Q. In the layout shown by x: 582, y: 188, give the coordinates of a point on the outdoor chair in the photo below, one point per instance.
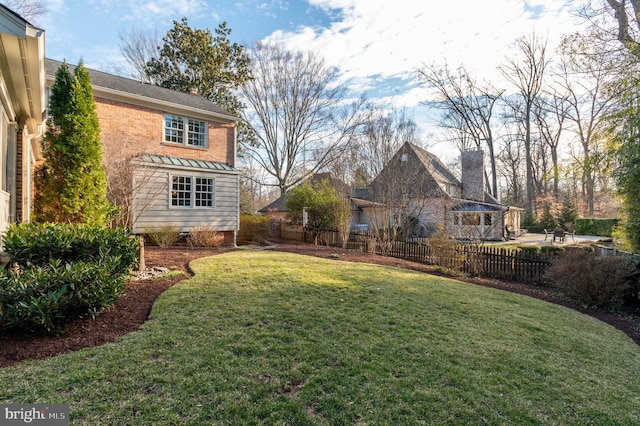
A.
x: 559, y: 234
x: 547, y: 234
x: 511, y: 235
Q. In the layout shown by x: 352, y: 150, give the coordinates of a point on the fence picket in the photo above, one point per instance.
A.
x: 495, y: 262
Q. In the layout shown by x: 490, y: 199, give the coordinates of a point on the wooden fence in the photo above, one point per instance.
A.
x: 488, y: 261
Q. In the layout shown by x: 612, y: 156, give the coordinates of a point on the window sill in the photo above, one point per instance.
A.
x: 181, y: 145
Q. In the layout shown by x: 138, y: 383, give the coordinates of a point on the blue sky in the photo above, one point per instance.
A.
x: 375, y: 44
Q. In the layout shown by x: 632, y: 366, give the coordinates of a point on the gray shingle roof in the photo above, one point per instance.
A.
x: 433, y: 164
x: 128, y: 86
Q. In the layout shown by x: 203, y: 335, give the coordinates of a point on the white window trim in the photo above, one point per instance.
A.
x: 192, y: 197
x: 185, y: 130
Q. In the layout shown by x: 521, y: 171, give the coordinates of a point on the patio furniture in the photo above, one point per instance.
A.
x: 547, y: 234
x: 511, y: 235
x: 559, y: 234
x: 571, y: 230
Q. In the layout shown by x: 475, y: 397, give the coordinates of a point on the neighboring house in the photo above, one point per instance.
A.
x: 416, y: 192
x: 277, y: 210
x: 427, y: 196
x: 169, y: 156
x: 22, y: 111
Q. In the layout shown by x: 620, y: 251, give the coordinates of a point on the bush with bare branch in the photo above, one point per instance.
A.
x: 205, y: 236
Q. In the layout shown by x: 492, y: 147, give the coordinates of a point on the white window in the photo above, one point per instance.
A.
x: 185, y: 131
x: 204, y: 192
x: 192, y: 191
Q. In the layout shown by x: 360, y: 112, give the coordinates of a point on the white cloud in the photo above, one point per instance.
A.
x: 392, y: 39
x: 150, y: 10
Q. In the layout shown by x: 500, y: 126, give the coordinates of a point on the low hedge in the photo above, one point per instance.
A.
x: 254, y: 228
x: 62, y: 272
x: 599, y: 227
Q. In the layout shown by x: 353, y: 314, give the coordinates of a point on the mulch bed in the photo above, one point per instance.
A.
x: 133, y: 308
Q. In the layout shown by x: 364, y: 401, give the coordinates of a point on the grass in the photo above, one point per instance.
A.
x: 258, y: 337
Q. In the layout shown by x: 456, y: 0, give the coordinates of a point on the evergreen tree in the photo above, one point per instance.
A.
x: 193, y: 58
x: 569, y: 212
x: 626, y: 151
x: 547, y: 221
x: 529, y: 219
x: 71, y: 185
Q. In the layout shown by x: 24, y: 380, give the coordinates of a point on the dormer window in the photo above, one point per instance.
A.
x: 185, y: 131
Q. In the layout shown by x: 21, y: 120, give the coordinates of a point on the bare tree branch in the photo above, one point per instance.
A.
x: 298, y: 113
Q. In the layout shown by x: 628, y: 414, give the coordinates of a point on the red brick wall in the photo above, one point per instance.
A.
x: 127, y: 130
x: 20, y: 174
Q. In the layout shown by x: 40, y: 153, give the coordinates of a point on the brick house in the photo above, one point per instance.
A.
x: 169, y: 156
x: 22, y: 112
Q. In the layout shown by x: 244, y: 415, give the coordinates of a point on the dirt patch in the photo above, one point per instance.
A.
x: 133, y: 308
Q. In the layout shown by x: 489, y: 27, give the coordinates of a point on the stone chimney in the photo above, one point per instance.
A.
x: 473, y: 184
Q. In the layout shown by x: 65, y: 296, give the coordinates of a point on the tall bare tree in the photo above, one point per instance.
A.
x: 298, y: 112
x: 467, y: 108
x: 510, y: 161
x: 527, y: 74
x: 138, y: 48
x: 625, y: 25
x: 589, y: 80
x: 550, y: 116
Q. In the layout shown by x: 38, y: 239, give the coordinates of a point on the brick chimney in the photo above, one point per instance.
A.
x: 473, y: 184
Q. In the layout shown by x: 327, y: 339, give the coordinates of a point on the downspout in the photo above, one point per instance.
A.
x: 32, y: 139
x: 235, y: 155
x: 12, y: 140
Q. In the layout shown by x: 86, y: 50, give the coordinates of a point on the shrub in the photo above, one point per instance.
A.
x: 254, y: 228
x: 45, y: 298
x: 600, y: 281
x: 547, y: 221
x: 36, y: 244
x: 205, y: 236
x: 600, y: 227
x: 65, y: 272
x: 551, y: 249
x: 163, y: 236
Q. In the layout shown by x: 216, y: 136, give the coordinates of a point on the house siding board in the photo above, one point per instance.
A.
x: 151, y: 205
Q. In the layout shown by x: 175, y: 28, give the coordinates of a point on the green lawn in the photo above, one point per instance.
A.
x: 259, y: 337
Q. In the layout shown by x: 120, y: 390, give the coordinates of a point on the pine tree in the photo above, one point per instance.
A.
x: 547, y: 221
x: 569, y: 212
x: 71, y: 185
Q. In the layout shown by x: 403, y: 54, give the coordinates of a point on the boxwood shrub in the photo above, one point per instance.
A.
x: 63, y: 272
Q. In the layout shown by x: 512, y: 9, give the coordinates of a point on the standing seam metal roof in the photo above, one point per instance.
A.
x: 167, y: 160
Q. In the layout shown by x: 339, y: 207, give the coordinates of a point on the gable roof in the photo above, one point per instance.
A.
x: 114, y: 85
x: 418, y: 172
x: 434, y: 166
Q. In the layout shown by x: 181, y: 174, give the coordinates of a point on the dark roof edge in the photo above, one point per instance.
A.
x: 129, y: 88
